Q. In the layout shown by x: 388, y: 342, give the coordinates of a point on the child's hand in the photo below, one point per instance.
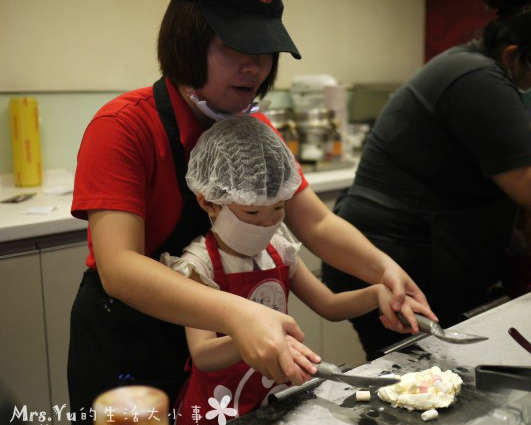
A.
x: 409, y: 307
x: 303, y: 357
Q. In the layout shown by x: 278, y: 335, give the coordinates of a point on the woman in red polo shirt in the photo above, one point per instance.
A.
x: 216, y: 57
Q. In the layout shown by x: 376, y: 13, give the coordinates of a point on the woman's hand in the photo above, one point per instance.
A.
x: 408, y: 310
x: 259, y: 334
x: 400, y: 284
x: 404, y: 291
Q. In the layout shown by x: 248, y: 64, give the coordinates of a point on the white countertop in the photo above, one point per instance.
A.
x: 327, y: 181
x: 16, y: 224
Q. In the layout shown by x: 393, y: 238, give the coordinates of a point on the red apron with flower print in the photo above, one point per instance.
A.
x: 216, y: 397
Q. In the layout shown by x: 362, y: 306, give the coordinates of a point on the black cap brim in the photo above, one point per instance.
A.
x: 250, y: 33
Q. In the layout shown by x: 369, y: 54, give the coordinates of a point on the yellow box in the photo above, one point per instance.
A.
x: 26, y: 141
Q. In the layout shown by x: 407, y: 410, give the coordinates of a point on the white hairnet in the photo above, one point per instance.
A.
x: 242, y: 160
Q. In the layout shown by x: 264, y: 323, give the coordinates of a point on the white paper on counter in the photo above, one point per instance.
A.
x: 41, y: 210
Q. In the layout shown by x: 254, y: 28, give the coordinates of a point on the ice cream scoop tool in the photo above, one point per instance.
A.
x: 433, y: 328
x: 331, y: 372
x: 296, y: 389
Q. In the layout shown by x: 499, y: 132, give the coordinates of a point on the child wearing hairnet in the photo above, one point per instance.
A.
x: 242, y: 174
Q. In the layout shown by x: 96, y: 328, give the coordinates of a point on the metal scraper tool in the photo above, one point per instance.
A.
x: 331, y: 372
x: 433, y: 328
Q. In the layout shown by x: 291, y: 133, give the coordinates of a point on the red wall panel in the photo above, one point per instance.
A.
x: 452, y: 22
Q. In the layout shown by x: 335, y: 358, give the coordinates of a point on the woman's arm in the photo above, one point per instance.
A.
x: 211, y: 353
x: 517, y: 185
x: 127, y: 274
x: 340, y: 244
x: 208, y: 351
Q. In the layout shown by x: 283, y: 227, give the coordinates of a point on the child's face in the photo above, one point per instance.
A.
x: 264, y: 216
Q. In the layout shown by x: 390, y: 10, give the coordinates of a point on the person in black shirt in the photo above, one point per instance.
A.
x: 444, y: 171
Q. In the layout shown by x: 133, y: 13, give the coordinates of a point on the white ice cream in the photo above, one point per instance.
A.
x: 428, y: 389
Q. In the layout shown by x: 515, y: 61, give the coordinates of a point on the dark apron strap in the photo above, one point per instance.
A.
x: 112, y: 344
x: 193, y: 221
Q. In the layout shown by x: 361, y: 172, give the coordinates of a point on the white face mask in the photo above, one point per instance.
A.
x: 244, y: 238
x: 205, y: 108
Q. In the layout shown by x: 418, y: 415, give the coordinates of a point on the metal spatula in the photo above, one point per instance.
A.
x: 331, y: 372
x: 433, y: 328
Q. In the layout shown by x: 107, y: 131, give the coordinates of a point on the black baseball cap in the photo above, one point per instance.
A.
x: 249, y: 26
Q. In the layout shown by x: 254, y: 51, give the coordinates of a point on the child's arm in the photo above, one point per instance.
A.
x: 211, y: 353
x: 335, y: 307
x: 344, y: 305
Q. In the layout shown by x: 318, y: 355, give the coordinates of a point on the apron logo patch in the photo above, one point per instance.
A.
x: 270, y: 293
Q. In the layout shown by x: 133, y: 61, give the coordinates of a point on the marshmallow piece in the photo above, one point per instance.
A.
x: 428, y: 415
x: 363, y: 395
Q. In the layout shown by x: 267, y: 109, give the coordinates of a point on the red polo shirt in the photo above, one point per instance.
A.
x: 125, y: 163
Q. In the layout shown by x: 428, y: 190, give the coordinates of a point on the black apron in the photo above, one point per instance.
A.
x: 469, y: 254
x: 468, y: 250
x: 455, y: 257
x: 112, y: 344
x: 468, y: 245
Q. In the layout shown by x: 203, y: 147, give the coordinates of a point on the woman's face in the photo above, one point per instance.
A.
x: 233, y: 77
x: 517, y: 67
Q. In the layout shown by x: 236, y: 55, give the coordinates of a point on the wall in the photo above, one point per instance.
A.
x: 63, y: 116
x: 75, y: 55
x: 78, y: 45
x: 110, y: 44
x: 357, y: 41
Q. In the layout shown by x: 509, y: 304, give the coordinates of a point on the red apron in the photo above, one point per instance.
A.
x: 216, y: 397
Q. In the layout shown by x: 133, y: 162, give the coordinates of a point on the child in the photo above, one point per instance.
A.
x: 242, y: 174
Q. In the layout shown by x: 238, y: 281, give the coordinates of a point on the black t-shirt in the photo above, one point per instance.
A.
x: 445, y: 133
